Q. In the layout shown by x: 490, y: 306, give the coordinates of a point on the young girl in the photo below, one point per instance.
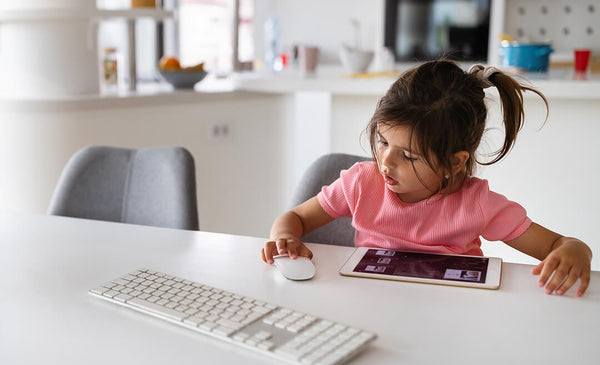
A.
x: 420, y: 195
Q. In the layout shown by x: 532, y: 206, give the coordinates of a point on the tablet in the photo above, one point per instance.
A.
x: 455, y: 270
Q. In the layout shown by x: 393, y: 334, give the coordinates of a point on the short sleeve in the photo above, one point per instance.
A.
x: 337, y: 199
x: 504, y: 219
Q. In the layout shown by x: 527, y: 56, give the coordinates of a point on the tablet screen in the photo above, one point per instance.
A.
x: 424, y: 265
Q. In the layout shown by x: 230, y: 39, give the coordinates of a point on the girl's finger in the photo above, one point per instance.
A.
x: 262, y: 255
x: 568, y: 283
x: 300, y: 249
x: 304, y: 251
x: 292, y: 249
x: 585, y: 282
x: 267, y: 252
x: 281, y: 245
x: 538, y: 269
x: 548, y: 267
x: 560, y: 275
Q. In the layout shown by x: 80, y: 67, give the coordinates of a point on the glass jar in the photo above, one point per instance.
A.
x: 110, y: 76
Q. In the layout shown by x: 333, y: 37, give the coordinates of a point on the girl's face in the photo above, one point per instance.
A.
x: 405, y: 172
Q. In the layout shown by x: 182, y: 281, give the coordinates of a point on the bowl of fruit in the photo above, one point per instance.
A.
x: 180, y: 77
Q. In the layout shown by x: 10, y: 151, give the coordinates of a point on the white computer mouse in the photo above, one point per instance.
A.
x: 299, y: 269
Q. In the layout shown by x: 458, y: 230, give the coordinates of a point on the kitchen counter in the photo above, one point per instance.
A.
x: 558, y: 83
x: 146, y: 94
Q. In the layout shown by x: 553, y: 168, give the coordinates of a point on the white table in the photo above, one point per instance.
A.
x: 47, y: 265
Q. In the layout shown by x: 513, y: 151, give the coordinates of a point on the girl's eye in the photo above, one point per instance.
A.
x: 407, y: 157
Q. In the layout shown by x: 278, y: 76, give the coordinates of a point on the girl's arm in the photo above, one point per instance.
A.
x: 290, y: 226
x: 568, y: 258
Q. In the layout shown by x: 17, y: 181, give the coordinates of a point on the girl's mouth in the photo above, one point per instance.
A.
x: 389, y: 180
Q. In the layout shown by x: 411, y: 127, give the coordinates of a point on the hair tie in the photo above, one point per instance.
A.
x: 483, y: 73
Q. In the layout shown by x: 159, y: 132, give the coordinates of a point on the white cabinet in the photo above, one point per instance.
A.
x: 53, y: 50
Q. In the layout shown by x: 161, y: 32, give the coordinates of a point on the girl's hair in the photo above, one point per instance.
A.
x: 444, y: 108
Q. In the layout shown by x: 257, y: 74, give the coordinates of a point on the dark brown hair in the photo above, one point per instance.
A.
x: 444, y: 108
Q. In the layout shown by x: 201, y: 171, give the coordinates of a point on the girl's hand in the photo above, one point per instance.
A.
x: 297, y: 222
x: 280, y: 246
x: 569, y: 261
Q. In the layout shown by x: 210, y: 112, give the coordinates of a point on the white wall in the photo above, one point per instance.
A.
x: 243, y: 182
x: 553, y: 171
x: 325, y: 24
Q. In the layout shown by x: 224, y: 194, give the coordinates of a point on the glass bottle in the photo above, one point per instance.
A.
x: 273, y: 44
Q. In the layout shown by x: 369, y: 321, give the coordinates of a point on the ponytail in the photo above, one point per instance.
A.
x: 511, y: 98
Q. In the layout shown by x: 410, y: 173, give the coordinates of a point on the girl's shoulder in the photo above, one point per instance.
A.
x: 473, y: 189
x: 478, y: 191
x: 367, y: 166
x: 363, y: 169
x: 360, y: 174
x: 475, y: 183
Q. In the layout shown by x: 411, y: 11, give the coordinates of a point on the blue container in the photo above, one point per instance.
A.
x: 530, y: 57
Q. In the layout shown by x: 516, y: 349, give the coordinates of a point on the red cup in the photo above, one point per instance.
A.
x: 582, y: 59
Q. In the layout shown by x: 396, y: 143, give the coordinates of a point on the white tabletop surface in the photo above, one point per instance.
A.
x: 47, y: 265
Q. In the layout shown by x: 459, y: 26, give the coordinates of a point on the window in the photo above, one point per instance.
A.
x: 206, y: 33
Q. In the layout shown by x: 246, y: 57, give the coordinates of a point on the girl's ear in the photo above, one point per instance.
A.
x: 459, y: 160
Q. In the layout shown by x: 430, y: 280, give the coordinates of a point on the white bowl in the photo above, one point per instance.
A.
x: 354, y: 60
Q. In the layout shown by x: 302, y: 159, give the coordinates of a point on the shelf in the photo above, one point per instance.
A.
x: 62, y: 14
x: 156, y: 14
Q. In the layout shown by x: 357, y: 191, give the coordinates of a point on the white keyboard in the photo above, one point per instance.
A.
x: 282, y: 333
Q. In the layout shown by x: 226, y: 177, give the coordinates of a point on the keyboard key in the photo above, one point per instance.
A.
x: 111, y: 293
x: 229, y: 323
x: 266, y: 345
x: 223, y: 331
x: 122, y: 297
x: 288, y: 353
x: 241, y: 336
x: 263, y: 335
x: 253, y: 341
x: 100, y: 290
x: 193, y: 320
x: 120, y: 281
x: 157, y: 308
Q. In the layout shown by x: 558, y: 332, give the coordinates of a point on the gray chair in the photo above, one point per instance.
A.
x: 325, y: 170
x: 147, y: 186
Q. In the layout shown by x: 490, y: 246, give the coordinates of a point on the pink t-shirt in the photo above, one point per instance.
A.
x: 440, y: 224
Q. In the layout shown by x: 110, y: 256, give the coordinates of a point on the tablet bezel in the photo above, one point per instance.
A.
x: 493, y: 274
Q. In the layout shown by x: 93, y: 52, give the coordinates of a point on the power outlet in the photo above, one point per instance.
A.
x: 219, y: 131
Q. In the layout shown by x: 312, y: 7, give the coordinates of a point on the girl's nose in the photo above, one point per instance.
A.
x: 384, y: 167
x: 386, y: 163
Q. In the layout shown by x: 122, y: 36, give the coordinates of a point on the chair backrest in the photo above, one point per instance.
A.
x: 325, y: 170
x: 148, y: 186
